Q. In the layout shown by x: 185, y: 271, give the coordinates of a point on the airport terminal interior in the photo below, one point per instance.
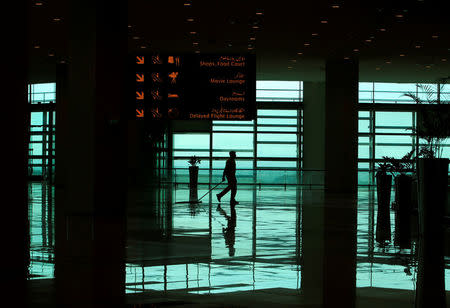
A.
x: 329, y: 121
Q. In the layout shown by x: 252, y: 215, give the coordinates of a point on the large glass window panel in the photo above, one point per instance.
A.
x: 364, y: 126
x: 190, y: 141
x: 234, y: 141
x: 383, y: 118
x: 42, y: 92
x: 239, y: 153
x: 278, y: 121
x: 392, y: 139
x: 363, y: 152
x: 427, y: 92
x: 398, y: 87
x: 364, y: 114
x: 191, y: 153
x: 183, y: 163
x: 365, y: 86
x: 226, y: 128
x: 277, y: 150
x: 277, y: 129
x: 275, y: 112
x: 365, y: 96
x: 240, y: 164
x: 283, y: 94
x: 395, y: 151
x: 276, y: 164
x: 36, y: 118
x: 261, y: 137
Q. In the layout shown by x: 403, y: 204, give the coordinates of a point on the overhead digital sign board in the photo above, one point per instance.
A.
x: 194, y: 86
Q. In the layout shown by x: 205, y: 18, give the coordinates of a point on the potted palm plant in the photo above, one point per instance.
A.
x: 193, y: 178
x: 384, y: 185
x: 403, y: 180
x: 433, y: 126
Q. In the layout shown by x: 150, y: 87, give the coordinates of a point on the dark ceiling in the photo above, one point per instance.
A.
x: 405, y: 41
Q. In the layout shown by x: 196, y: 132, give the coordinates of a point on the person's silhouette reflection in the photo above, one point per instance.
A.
x: 229, y: 231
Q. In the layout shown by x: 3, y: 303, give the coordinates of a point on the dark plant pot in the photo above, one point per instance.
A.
x: 384, y: 184
x: 193, y: 181
x: 432, y: 176
x: 403, y: 196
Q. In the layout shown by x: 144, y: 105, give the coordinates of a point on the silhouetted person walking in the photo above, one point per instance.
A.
x: 230, y: 173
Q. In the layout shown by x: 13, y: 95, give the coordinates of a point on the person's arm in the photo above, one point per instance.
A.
x: 226, y: 170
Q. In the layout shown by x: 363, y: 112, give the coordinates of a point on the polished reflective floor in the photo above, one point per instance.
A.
x: 209, y: 248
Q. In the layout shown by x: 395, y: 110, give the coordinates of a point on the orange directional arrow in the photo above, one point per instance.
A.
x: 139, y: 60
x: 139, y: 113
x: 140, y: 77
x: 140, y: 95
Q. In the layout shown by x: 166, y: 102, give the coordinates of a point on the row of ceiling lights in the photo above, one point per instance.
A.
x: 252, y: 37
x: 399, y: 16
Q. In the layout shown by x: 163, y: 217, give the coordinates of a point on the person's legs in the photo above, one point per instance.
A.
x: 233, y: 187
x: 221, y: 194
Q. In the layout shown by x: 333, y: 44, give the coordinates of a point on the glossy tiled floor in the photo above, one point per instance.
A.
x: 195, y: 249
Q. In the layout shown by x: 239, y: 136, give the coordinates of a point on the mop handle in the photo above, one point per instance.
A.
x: 210, y: 190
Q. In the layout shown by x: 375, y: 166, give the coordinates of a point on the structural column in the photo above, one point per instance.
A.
x: 15, y: 120
x: 312, y: 200
x: 92, y: 157
x: 329, y: 216
x: 341, y: 130
x: 341, y: 166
